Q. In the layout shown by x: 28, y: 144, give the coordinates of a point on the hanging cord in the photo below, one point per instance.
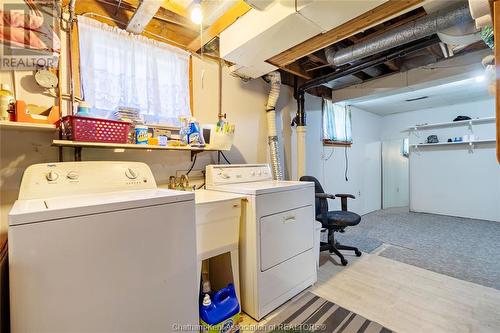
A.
x: 329, y: 156
x: 345, y: 148
x: 225, y: 158
x: 192, y: 165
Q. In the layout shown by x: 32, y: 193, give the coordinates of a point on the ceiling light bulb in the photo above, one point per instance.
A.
x: 479, y: 78
x: 196, y: 14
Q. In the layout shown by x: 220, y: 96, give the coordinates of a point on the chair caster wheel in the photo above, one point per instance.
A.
x: 343, y: 262
x: 358, y: 253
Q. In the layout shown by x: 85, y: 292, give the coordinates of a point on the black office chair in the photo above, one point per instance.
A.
x: 334, y: 221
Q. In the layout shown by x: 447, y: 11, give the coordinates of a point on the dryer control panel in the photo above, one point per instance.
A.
x: 237, y: 173
x: 70, y: 178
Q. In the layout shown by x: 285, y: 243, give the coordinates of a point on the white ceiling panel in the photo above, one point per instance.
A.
x: 446, y: 94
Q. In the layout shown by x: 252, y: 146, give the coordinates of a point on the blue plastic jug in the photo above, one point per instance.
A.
x: 222, y: 313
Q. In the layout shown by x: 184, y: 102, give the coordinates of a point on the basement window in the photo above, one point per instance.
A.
x: 336, y: 124
x: 122, y: 70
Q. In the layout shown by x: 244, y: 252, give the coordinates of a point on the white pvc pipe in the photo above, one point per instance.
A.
x: 301, y: 151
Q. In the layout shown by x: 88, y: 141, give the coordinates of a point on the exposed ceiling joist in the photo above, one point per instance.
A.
x: 174, y: 7
x: 369, y: 19
x: 143, y: 15
x: 163, y: 26
x: 295, y: 69
x: 166, y: 15
x: 228, y: 18
x: 317, y: 59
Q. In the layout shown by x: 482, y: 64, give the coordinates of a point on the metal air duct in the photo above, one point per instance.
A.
x: 410, y: 32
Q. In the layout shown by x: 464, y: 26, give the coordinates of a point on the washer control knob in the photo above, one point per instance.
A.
x: 225, y: 176
x: 73, y: 175
x: 131, y: 173
x: 52, y: 176
x: 252, y: 173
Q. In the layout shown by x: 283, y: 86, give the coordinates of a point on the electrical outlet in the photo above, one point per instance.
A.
x: 359, y: 193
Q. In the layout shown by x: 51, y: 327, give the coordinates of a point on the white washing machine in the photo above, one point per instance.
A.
x: 276, y: 234
x: 97, y: 247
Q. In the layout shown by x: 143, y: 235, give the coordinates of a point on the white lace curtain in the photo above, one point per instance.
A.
x: 119, y: 69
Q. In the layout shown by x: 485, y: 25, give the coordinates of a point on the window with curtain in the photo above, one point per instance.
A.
x: 122, y: 70
x: 336, y: 123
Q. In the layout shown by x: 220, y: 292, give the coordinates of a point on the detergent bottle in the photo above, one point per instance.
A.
x: 194, y: 136
x: 222, y: 313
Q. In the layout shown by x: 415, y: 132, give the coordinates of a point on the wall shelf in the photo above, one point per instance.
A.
x: 453, y: 143
x: 14, y: 125
x: 451, y: 124
x: 79, y: 145
x: 67, y: 143
x: 469, y: 144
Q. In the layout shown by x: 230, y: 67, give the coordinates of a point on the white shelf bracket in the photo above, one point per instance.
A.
x: 415, y: 132
x: 471, y: 147
x: 416, y: 150
x: 470, y: 127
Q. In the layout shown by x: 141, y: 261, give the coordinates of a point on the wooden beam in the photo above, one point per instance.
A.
x: 174, y: 7
x: 369, y: 19
x: 317, y: 59
x: 392, y: 65
x: 399, y: 23
x: 143, y: 15
x: 221, y: 24
x: 170, y: 33
x: 166, y: 15
x: 496, y: 31
x: 295, y: 69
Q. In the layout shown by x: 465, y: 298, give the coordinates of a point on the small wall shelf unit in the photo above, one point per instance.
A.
x: 79, y: 145
x: 19, y: 126
x: 415, y: 130
x: 471, y: 144
x: 469, y: 123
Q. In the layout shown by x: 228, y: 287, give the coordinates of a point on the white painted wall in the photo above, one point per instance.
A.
x: 450, y: 180
x: 364, y: 159
x: 395, y: 181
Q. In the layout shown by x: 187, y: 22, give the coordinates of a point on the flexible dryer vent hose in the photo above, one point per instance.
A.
x: 274, y: 78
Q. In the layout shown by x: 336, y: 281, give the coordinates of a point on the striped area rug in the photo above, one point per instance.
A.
x: 311, y: 313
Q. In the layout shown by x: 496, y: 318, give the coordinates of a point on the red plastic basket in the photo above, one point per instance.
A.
x: 94, y: 129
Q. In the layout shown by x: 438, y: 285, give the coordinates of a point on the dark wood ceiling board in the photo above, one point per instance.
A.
x: 418, y: 14
x: 360, y: 23
x: 289, y: 80
x: 479, y: 45
x: 317, y: 59
x: 296, y: 69
x: 393, y: 65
